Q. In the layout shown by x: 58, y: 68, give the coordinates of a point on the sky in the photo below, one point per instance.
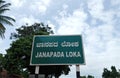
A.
x: 96, y: 20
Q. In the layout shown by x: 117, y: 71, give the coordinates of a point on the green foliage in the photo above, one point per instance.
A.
x: 113, y: 73
x: 17, y: 59
x: 55, y: 71
x: 18, y: 55
x: 82, y: 76
x: 4, y: 19
x: 29, y: 31
x: 89, y: 76
x: 1, y: 60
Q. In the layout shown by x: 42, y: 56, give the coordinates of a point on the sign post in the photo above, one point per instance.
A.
x: 36, y: 71
x: 77, y: 71
x: 57, y: 50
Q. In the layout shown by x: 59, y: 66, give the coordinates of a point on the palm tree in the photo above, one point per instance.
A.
x: 4, y: 19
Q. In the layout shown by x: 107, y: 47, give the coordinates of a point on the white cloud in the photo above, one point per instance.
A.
x: 116, y: 2
x: 72, y: 24
x: 65, y: 6
x: 0, y: 41
x: 112, y: 50
x: 46, y: 2
x: 95, y: 5
x: 17, y: 3
x: 30, y: 20
x: 96, y: 9
x: 40, y: 6
x: 96, y: 61
x: 107, y: 58
x: 100, y: 43
x: 52, y: 26
x: 96, y: 35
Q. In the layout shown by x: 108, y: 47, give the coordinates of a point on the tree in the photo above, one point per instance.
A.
x: 89, y: 76
x: 82, y: 76
x: 114, y: 72
x: 106, y: 73
x: 1, y: 60
x: 111, y: 74
x: 18, y: 55
x: 4, y: 19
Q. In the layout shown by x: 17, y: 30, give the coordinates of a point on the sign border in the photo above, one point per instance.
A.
x: 56, y: 63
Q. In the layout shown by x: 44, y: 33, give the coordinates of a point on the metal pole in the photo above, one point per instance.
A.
x: 36, y: 71
x: 77, y: 71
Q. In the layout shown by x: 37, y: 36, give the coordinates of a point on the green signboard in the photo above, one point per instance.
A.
x: 57, y: 50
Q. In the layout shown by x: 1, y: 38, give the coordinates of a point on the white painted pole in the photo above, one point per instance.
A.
x: 36, y: 71
x: 77, y: 71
